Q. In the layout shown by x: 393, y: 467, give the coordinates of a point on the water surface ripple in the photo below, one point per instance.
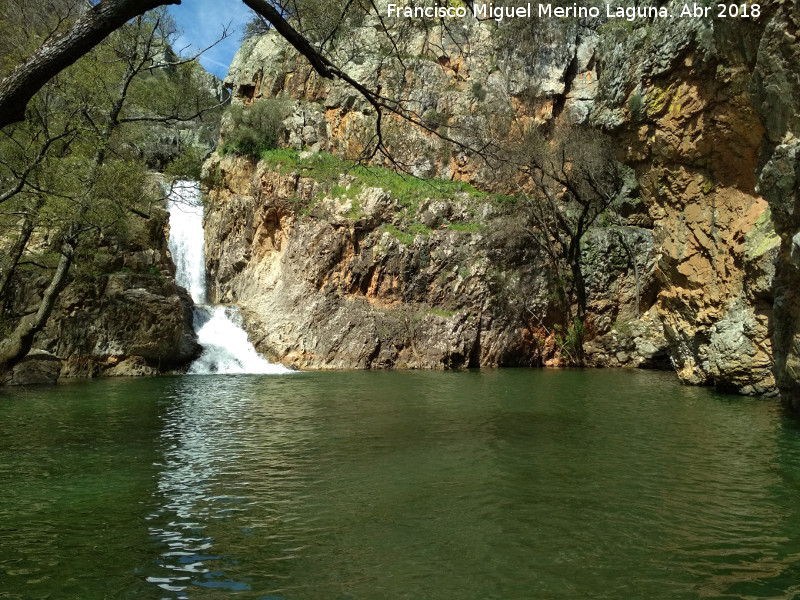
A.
x: 478, y: 485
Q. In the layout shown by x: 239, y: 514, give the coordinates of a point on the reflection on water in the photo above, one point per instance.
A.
x: 229, y: 476
x: 498, y: 484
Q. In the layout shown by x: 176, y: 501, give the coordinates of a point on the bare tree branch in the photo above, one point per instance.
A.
x: 64, y: 49
x: 22, y: 178
x: 321, y: 64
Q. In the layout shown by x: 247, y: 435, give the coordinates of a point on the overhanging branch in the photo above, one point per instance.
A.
x: 63, y: 50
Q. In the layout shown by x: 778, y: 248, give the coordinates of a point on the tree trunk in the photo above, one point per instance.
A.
x: 580, y: 298
x: 57, y: 54
x: 574, y: 260
x: 28, y: 225
x: 580, y: 289
x: 17, y: 345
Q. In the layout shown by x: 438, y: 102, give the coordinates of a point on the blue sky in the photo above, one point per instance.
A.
x: 202, y: 21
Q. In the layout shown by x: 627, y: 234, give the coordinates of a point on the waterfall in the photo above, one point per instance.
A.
x: 226, y: 348
x: 186, y: 240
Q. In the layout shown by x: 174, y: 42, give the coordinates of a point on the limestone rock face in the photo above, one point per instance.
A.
x: 121, y: 314
x: 620, y: 268
x: 338, y: 288
x: 775, y: 86
x: 125, y: 325
x: 775, y: 89
x: 684, y: 279
x: 457, y: 83
x: 640, y: 343
x: 684, y: 120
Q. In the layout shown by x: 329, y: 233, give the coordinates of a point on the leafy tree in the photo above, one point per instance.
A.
x: 255, y: 27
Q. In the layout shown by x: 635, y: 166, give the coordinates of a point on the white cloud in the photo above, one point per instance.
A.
x: 202, y: 23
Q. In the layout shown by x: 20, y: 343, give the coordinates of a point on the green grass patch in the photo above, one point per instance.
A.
x: 443, y: 313
x: 419, y: 229
x: 403, y: 237
x: 355, y: 211
x: 468, y: 227
x: 328, y: 169
x: 406, y: 235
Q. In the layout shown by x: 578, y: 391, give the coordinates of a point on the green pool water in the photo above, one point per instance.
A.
x: 506, y: 484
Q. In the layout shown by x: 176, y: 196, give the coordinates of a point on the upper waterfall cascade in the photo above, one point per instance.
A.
x: 226, y: 348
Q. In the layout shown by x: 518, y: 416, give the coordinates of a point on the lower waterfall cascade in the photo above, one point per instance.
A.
x: 226, y: 349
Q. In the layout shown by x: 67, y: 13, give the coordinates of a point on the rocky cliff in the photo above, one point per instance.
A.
x: 775, y: 87
x: 359, y: 276
x: 682, y: 274
x: 120, y: 315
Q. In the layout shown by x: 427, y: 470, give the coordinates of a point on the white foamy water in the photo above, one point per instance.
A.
x: 226, y: 348
x: 186, y: 242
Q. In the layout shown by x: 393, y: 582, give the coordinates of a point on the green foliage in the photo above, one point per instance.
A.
x: 255, y: 27
x: 439, y: 312
x: 433, y: 118
x: 405, y: 238
x: 408, y: 235
x: 328, y: 169
x: 255, y: 129
x: 617, y: 27
x: 213, y: 179
x: 24, y: 24
x: 419, y: 229
x: 505, y: 200
x: 407, y: 191
x: 576, y: 334
x: 468, y: 227
x: 355, y: 211
x: 478, y: 92
x: 119, y: 185
x: 188, y: 164
x: 571, y: 341
x: 76, y: 169
x: 329, y: 20
x: 284, y: 157
x: 623, y: 327
x: 636, y: 105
